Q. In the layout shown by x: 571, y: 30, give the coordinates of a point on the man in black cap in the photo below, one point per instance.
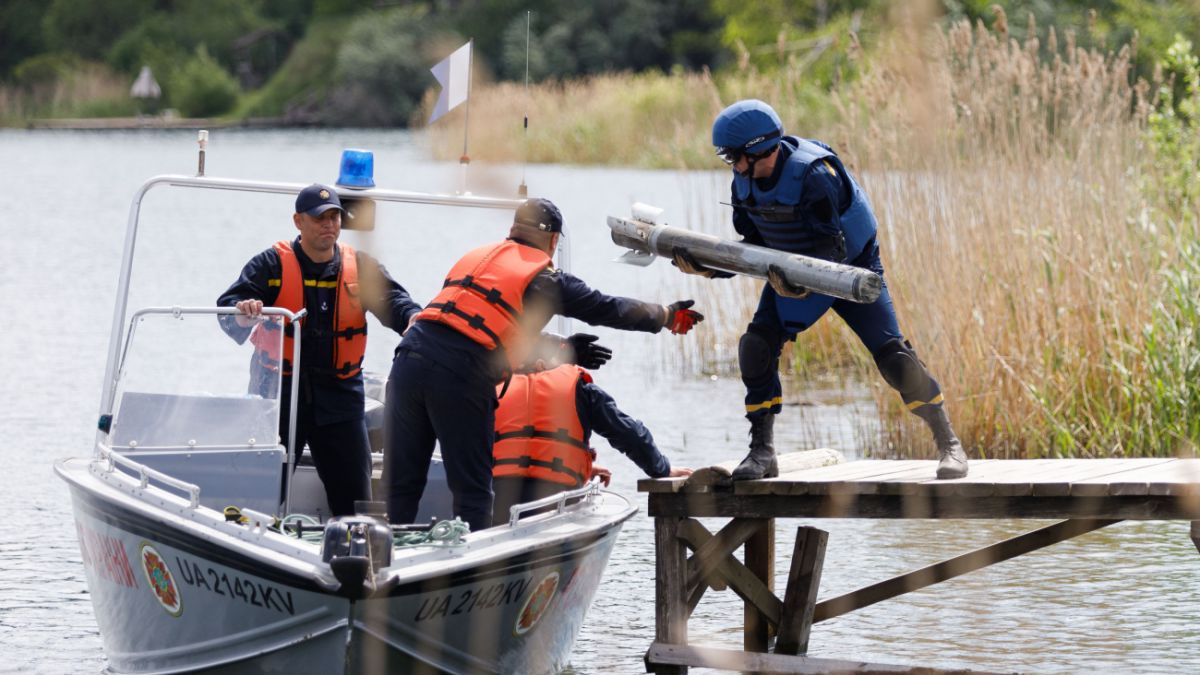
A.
x: 466, y: 343
x: 337, y: 285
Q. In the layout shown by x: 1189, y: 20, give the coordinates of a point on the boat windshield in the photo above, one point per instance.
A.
x: 186, y: 383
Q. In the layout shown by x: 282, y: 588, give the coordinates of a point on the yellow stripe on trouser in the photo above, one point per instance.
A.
x: 778, y: 400
x: 917, y: 404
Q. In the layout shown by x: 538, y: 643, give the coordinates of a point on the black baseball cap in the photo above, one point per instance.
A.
x: 540, y: 213
x: 317, y: 199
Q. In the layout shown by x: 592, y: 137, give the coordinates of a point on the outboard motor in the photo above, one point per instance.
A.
x: 356, y: 547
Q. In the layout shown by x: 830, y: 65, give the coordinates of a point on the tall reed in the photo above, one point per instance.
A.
x: 1013, y: 230
x: 83, y: 89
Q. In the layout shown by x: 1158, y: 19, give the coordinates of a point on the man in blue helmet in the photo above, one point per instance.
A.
x: 794, y: 194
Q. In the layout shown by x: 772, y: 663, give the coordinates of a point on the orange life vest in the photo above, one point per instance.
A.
x: 538, y: 431
x: 349, y: 319
x: 482, y: 297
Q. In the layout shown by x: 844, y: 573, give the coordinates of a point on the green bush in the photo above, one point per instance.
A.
x: 111, y: 107
x: 1175, y: 128
x: 202, y: 88
x: 45, y: 69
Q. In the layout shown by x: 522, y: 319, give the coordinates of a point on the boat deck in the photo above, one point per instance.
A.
x: 1083, y: 495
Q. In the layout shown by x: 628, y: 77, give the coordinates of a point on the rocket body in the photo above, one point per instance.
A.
x: 648, y: 239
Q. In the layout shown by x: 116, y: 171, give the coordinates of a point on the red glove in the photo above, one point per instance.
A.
x: 680, y: 319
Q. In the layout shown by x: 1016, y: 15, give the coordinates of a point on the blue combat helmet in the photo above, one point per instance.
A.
x: 748, y: 127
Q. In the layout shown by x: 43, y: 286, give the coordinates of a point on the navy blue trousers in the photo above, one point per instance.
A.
x: 426, y: 404
x: 342, y: 454
x: 780, y: 319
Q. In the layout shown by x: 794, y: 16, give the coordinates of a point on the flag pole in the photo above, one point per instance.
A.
x: 466, y: 158
x: 523, y: 189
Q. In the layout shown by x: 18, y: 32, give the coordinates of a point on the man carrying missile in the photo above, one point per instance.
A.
x: 443, y: 383
x: 794, y: 195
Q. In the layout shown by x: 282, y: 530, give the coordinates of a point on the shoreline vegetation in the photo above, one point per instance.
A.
x: 1038, y: 202
x: 1038, y: 210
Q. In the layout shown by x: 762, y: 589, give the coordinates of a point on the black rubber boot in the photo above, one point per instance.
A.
x: 761, y: 462
x: 952, y: 460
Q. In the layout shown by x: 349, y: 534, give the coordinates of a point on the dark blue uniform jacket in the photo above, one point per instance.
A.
x: 599, y: 413
x: 330, y: 399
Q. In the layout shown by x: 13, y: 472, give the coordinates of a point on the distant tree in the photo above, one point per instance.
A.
x: 88, y: 27
x: 291, y: 15
x: 216, y: 24
x: 382, y: 68
x: 20, y: 32
x: 579, y: 38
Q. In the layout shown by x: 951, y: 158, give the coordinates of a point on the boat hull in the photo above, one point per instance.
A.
x: 169, y: 597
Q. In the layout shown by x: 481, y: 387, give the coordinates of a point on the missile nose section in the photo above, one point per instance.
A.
x: 867, y: 288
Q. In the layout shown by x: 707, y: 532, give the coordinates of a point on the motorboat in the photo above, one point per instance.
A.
x: 203, y: 554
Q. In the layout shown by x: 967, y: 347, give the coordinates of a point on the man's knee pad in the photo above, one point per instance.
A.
x: 756, y: 356
x: 901, y: 369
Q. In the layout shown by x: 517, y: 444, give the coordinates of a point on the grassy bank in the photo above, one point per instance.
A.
x: 1038, y: 226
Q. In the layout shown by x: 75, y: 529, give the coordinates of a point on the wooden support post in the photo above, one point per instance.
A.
x: 800, y: 596
x: 670, y: 590
x: 1196, y: 533
x: 760, y: 559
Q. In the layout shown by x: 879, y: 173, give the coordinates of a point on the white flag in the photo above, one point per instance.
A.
x: 454, y: 74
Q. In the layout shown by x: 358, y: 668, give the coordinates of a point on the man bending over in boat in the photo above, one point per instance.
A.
x: 543, y: 426
x: 337, y: 285
x: 494, y: 302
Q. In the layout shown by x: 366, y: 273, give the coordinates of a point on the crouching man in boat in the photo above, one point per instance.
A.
x: 468, y: 340
x: 543, y: 427
x: 337, y: 285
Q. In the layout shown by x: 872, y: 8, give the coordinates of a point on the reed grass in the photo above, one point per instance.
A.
x: 87, y: 89
x: 1037, y: 262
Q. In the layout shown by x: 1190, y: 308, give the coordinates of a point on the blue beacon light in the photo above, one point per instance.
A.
x: 358, y: 169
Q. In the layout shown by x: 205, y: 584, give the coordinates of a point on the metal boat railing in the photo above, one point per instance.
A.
x: 145, y: 474
x: 291, y: 316
x: 559, y: 501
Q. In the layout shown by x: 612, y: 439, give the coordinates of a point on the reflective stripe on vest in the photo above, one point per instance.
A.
x: 775, y: 211
x: 538, y: 430
x: 349, y: 319
x: 482, y: 297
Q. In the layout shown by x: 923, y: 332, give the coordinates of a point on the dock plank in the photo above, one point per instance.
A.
x: 1178, y: 477
x: 1057, y: 481
x: 817, y: 481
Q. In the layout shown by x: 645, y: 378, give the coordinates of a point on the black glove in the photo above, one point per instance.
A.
x: 586, y: 352
x: 689, y: 265
x: 680, y: 319
x: 784, y: 287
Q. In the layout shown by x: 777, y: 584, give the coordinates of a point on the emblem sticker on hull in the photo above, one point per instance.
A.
x: 537, y: 604
x: 162, y: 584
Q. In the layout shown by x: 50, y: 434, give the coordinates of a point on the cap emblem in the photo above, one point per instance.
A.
x: 324, y: 194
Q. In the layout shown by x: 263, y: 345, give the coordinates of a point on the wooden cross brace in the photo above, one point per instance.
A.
x: 714, y: 566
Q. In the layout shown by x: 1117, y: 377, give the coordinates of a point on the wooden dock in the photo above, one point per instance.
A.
x: 1083, y: 495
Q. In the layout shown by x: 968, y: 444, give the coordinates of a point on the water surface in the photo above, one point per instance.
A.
x: 1121, y: 599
